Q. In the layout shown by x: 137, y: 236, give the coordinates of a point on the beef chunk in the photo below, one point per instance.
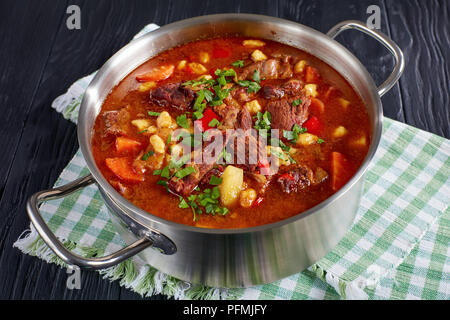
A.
x: 268, y: 69
x: 298, y: 177
x: 229, y: 115
x: 272, y: 92
x: 186, y: 185
x: 285, y: 115
x: 289, y: 88
x: 295, y: 179
x: 173, y: 95
x: 216, y: 171
x: 241, y: 94
x: 116, y: 122
x: 234, y: 118
x: 244, y: 120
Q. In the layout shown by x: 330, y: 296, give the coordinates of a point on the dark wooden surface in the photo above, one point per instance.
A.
x: 40, y: 58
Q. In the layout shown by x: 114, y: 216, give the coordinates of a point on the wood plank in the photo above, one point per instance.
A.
x: 421, y: 28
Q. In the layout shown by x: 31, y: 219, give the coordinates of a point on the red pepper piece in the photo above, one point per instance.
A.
x: 208, y: 116
x: 313, y: 125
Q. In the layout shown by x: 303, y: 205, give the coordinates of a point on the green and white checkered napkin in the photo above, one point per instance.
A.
x: 397, y: 248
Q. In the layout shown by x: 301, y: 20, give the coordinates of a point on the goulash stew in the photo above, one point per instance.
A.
x: 230, y: 133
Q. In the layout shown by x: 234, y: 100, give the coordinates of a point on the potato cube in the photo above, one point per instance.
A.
x: 360, y: 142
x: 253, y: 43
x: 300, y: 66
x: 204, y: 57
x: 197, y: 68
x: 311, y: 90
x: 257, y: 55
x: 205, y: 76
x: 247, y: 197
x: 164, y: 120
x: 231, y: 186
x: 339, y: 132
x: 344, y: 103
x: 157, y: 143
x: 253, y: 106
x: 305, y: 139
x: 147, y: 86
x: 141, y: 124
x: 150, y: 130
x: 176, y: 151
x: 181, y: 65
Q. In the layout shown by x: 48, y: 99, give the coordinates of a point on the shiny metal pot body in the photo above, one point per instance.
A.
x: 222, y: 257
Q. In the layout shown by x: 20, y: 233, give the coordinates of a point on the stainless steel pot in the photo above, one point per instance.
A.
x: 216, y: 257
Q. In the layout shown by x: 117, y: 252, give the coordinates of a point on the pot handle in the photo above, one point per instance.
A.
x: 384, y: 40
x: 57, y: 247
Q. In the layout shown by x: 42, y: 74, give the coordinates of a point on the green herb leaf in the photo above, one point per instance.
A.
x: 238, y: 63
x: 214, y: 123
x: 183, y: 204
x: 182, y: 121
x: 157, y: 172
x: 263, y: 120
x: 215, y: 181
x: 252, y: 86
x: 297, y: 102
x: 256, y: 76
x: 153, y: 113
x: 148, y: 155
x: 184, y: 172
x: 319, y: 141
x: 165, y: 173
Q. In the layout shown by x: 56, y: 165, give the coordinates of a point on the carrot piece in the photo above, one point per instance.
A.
x: 127, y: 145
x: 312, y: 75
x: 157, y: 74
x: 123, y: 169
x: 317, y: 106
x: 341, y: 170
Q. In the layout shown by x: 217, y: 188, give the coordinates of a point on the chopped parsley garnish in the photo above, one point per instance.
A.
x: 165, y: 173
x: 252, y: 86
x: 256, y: 76
x: 297, y: 102
x: 319, y: 141
x: 214, y: 123
x: 184, y: 172
x: 157, y: 172
x: 215, y: 181
x: 202, y: 81
x: 278, y: 154
x: 182, y: 121
x: 153, y: 113
x: 293, y: 135
x: 140, y: 132
x: 238, y: 63
x: 148, y: 155
x: 263, y: 120
x: 226, y: 156
x: 208, y: 199
x: 183, y: 204
x: 163, y: 183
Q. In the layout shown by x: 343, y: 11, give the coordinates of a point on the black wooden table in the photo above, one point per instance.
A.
x: 40, y: 57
